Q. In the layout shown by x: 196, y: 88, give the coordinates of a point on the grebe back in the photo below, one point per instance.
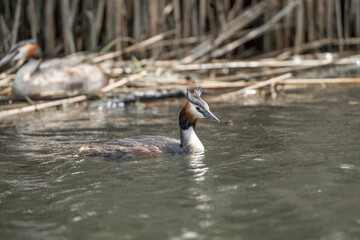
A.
x: 152, y: 146
x: 56, y: 77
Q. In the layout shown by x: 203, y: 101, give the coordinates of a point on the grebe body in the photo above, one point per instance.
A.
x: 152, y: 146
x: 52, y: 78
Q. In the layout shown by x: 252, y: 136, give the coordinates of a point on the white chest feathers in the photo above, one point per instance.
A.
x: 190, y: 141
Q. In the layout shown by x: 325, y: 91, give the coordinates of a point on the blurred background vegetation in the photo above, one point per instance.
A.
x: 230, y: 29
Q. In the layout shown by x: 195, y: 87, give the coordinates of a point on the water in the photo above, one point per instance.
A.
x: 274, y: 169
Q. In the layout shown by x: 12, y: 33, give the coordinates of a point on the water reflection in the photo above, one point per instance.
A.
x: 197, y: 166
x: 203, y: 200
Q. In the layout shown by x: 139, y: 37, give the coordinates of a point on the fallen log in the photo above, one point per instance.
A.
x: 40, y: 106
x: 299, y: 81
x: 267, y: 63
x: 232, y: 95
x: 122, y: 82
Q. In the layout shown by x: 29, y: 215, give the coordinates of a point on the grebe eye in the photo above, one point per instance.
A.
x: 197, y: 108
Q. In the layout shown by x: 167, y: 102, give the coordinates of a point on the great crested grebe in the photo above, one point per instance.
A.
x: 52, y: 78
x: 152, y: 146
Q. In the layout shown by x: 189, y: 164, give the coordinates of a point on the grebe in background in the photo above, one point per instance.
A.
x: 56, y: 77
x: 151, y: 146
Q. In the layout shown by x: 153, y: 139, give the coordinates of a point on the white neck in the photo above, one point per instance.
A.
x: 190, y: 142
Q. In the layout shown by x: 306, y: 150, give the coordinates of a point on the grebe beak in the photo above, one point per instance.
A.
x: 210, y: 115
x: 7, y: 59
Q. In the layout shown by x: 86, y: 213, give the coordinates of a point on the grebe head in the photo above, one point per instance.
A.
x: 194, y: 109
x: 197, y: 106
x: 23, y: 50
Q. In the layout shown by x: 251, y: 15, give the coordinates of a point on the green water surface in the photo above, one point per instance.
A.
x: 273, y: 169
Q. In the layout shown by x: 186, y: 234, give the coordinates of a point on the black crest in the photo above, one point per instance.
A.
x: 196, y: 99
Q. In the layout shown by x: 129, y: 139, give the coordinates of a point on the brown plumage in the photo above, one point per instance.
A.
x: 186, y: 117
x: 134, y: 147
x: 32, y: 50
